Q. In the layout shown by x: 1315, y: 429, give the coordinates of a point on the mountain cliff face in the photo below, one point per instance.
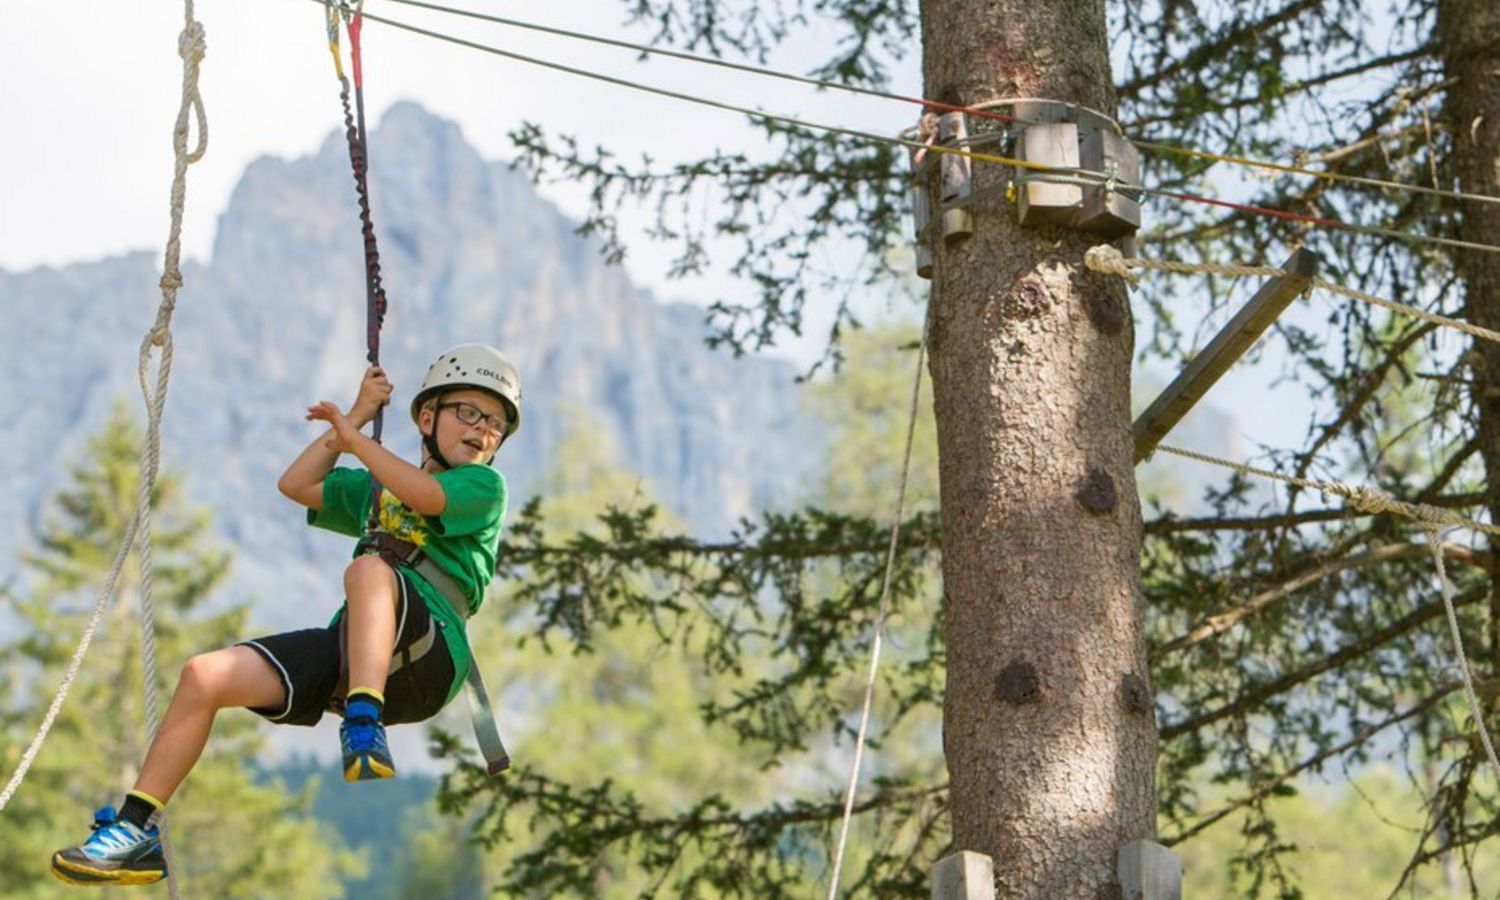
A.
x: 275, y: 321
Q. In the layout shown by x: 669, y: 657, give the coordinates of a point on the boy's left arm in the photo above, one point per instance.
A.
x: 419, y: 491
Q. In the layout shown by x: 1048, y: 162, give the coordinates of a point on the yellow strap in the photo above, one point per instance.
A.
x: 368, y: 691
x: 146, y: 797
x: 333, y: 41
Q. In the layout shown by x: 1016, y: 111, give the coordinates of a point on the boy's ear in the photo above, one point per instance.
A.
x: 425, y: 419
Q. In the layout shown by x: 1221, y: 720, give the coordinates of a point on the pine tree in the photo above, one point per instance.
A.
x: 233, y: 836
x: 1337, y: 649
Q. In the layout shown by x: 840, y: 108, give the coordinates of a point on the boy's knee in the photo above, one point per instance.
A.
x: 202, y: 676
x: 367, y: 574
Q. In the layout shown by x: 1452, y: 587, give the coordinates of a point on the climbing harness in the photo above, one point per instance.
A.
x: 396, y: 552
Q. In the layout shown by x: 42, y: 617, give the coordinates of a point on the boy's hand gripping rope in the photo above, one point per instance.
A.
x: 191, y: 47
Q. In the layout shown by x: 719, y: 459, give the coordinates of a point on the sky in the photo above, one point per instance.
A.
x: 92, y: 88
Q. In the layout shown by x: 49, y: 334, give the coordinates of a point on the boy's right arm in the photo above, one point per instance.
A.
x: 302, y: 481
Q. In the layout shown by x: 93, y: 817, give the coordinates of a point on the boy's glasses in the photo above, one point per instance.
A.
x: 469, y: 414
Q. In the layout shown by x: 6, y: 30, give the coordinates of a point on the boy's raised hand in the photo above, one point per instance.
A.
x: 344, y: 431
x: 374, y: 392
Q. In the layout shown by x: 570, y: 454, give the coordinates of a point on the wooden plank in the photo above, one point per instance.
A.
x: 965, y: 875
x: 1223, y: 351
x: 1149, y: 871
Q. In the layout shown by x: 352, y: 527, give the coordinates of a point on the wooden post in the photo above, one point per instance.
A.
x: 965, y: 875
x: 1148, y: 871
x: 1222, y: 352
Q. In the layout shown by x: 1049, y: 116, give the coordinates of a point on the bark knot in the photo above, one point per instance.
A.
x: 1019, y: 683
x: 1135, y: 695
x: 1105, y: 306
x: 1097, y: 493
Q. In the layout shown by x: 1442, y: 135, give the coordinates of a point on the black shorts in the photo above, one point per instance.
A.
x: 312, y: 668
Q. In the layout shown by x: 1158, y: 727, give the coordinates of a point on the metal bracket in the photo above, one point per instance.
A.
x: 1074, y: 138
x: 1091, y: 183
x: 957, y: 178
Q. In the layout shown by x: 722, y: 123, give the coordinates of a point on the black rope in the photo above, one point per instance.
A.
x: 375, y: 302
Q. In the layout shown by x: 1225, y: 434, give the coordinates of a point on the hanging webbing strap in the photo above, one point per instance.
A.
x: 396, y: 551
x: 359, y: 156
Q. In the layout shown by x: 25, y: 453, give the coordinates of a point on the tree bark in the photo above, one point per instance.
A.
x: 1048, y: 720
x: 1469, y: 31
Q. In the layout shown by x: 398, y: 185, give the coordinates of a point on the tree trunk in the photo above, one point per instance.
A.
x: 1470, y: 34
x: 1048, y: 723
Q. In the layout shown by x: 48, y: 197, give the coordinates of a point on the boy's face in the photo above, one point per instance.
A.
x: 460, y: 442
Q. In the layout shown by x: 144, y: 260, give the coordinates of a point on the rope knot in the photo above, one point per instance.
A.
x: 159, y: 336
x: 1430, y: 515
x: 171, y: 281
x: 1372, y: 500
x: 192, y: 44
x: 1108, y: 259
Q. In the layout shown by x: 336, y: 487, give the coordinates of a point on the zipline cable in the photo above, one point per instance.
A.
x: 823, y: 84
x: 887, y: 140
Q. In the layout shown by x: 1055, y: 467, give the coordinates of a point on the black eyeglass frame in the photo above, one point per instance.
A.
x: 496, y: 424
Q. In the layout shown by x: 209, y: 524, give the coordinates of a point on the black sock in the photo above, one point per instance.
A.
x: 137, y: 810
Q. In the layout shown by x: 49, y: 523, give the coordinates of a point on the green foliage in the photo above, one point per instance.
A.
x: 694, y: 727
x: 1353, y: 839
x: 393, y: 825
x: 1285, y: 634
x: 232, y: 837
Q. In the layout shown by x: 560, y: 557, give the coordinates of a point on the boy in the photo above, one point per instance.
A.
x: 396, y: 651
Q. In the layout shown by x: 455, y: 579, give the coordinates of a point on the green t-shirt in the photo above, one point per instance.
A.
x: 462, y: 541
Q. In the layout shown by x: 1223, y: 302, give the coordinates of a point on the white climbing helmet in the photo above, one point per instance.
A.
x: 474, y: 366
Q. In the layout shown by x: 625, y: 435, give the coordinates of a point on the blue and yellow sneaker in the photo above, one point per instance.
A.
x: 366, y: 755
x: 116, y: 853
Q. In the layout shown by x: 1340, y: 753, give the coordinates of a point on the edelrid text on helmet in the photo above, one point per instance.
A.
x: 473, y: 366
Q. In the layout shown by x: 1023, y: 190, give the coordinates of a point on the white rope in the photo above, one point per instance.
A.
x: 1431, y: 519
x: 191, y: 47
x: 1108, y: 259
x: 880, y: 619
x: 1435, y: 542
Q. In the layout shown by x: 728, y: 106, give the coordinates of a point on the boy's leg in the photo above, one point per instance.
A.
x: 124, y: 850
x: 234, y: 676
x: 372, y: 596
x: 372, y: 593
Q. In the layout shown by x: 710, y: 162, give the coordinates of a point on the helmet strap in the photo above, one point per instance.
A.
x: 430, y: 442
